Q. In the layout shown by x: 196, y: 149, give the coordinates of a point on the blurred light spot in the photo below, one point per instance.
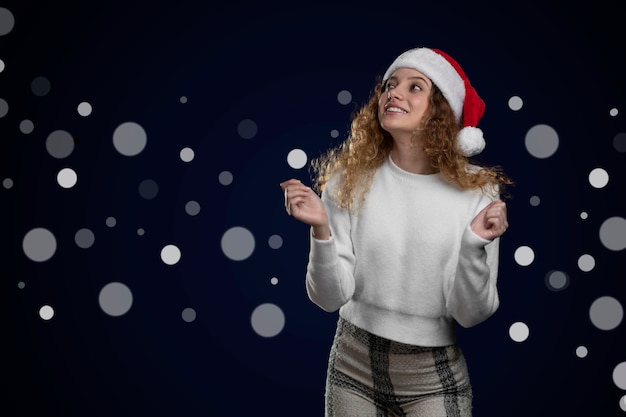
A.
x: 557, y: 280
x: 613, y: 233
x: 129, y: 138
x: 140, y: 231
x: 46, y: 312
x: 344, y: 97
x: 619, y: 142
x: 67, y: 178
x: 188, y: 314
x: 267, y: 320
x: 247, y: 129
x: 584, y: 215
x: 39, y: 244
x: 598, y: 178
x: 115, y: 299
x: 7, y: 21
x: 148, y: 189
x: 40, y: 86
x: 519, y: 331
x: 84, y: 109
x: 275, y: 241
x: 4, y: 107
x: 111, y: 221
x: 1, y: 65
x: 238, y: 243
x: 586, y: 263
x: 183, y: 99
x: 515, y: 103
x: 534, y: 201
x: 170, y: 254
x: 622, y: 403
x: 619, y: 375
x: 27, y: 126
x: 541, y: 141
x: 21, y: 285
x: 296, y: 158
x: 60, y: 144
x: 582, y: 352
x: 613, y: 112
x: 606, y: 313
x: 84, y: 238
x: 225, y: 178
x: 334, y: 133
x: 524, y: 255
x: 187, y: 154
x: 192, y: 208
x: 274, y: 281
x: 7, y: 183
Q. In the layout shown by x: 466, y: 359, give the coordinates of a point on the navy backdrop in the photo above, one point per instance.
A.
x: 149, y: 267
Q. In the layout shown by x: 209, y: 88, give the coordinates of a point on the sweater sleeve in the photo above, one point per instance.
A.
x: 472, y: 296
x: 330, y: 270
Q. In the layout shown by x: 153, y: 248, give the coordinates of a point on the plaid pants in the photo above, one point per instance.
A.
x: 370, y: 376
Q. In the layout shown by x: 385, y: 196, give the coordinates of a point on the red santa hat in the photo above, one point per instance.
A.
x: 450, y: 78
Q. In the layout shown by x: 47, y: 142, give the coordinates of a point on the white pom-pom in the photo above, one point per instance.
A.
x: 471, y: 141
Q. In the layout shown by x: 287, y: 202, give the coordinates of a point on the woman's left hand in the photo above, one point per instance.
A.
x: 491, y: 222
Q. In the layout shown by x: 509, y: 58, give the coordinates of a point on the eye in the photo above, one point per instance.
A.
x: 389, y: 86
x: 416, y: 87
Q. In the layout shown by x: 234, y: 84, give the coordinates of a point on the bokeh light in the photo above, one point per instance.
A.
x: 170, y: 254
x: 84, y: 109
x: 586, y: 262
x: 598, y: 178
x: 39, y: 244
x: 524, y: 255
x: 344, y: 97
x: 67, y: 178
x: 188, y: 314
x: 46, y: 312
x: 267, y: 320
x: 619, y: 375
x: 129, y: 139
x: 60, y: 144
x: 296, y: 158
x: 225, y: 178
x: 515, y: 103
x: 613, y: 233
x: 84, y: 238
x: 519, y: 331
x: 606, y: 313
x: 148, y: 189
x: 115, y: 299
x: 238, y: 243
x: 542, y: 141
x: 187, y: 154
x: 247, y: 129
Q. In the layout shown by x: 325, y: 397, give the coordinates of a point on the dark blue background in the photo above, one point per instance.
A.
x: 283, y: 66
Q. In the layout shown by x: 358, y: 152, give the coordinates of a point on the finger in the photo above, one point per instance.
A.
x: 287, y: 203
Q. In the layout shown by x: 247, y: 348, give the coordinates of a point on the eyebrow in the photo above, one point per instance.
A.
x: 412, y: 78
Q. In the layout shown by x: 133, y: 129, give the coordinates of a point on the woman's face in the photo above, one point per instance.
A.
x: 404, y: 101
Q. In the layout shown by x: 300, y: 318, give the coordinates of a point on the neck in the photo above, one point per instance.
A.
x: 411, y: 158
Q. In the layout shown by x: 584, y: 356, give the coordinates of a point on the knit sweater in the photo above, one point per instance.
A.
x: 406, y: 266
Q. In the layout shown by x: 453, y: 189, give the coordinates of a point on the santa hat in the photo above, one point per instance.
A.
x: 450, y: 78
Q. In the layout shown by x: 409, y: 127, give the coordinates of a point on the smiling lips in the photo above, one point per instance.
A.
x: 394, y: 109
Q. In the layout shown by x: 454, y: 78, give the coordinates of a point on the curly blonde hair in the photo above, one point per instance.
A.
x: 368, y: 146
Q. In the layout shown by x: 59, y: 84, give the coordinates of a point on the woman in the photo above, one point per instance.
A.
x: 404, y: 242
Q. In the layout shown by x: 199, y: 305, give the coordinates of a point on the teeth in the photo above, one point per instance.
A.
x: 395, y: 110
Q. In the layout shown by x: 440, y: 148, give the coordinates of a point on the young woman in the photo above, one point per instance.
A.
x: 404, y: 242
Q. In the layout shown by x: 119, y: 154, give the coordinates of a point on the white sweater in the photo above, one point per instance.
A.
x: 406, y: 266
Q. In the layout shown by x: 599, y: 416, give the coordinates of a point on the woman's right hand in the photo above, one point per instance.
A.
x: 305, y: 205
